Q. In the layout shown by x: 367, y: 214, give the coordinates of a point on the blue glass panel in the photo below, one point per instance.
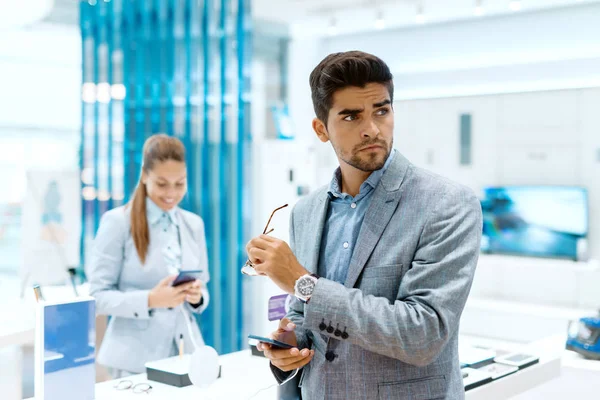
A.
x: 178, y: 67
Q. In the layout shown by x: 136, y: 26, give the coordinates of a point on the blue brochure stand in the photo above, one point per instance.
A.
x: 65, y: 345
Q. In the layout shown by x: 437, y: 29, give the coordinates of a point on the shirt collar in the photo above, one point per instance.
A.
x: 155, y: 213
x: 372, y: 180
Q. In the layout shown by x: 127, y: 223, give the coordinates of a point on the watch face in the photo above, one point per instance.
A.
x: 306, y: 286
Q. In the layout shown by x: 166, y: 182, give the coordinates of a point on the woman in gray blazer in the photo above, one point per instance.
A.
x: 138, y: 251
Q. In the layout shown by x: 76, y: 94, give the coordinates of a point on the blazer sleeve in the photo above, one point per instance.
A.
x: 200, y: 238
x: 105, y: 270
x: 415, y: 328
x: 296, y: 315
x: 296, y: 312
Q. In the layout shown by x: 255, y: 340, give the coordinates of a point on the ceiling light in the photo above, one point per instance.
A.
x: 103, y: 92
x: 88, y: 193
x: 15, y: 14
x: 88, y: 92
x: 515, y: 5
x: 87, y: 176
x: 118, y: 196
x: 332, y: 29
x: 379, y: 21
x: 103, y: 195
x: 479, y: 8
x: 117, y: 91
x: 420, y: 18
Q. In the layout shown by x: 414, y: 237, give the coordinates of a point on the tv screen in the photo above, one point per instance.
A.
x: 542, y: 221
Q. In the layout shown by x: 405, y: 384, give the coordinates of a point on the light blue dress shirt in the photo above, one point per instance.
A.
x: 164, y: 226
x: 345, y: 215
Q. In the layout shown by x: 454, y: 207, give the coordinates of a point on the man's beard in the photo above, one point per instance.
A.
x: 372, y: 161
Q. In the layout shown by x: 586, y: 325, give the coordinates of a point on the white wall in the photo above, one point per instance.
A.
x: 548, y: 137
x: 304, y: 54
x: 40, y: 77
x: 532, y: 84
x: 527, y: 79
x: 272, y: 161
x: 553, y: 49
x: 40, y: 114
x: 547, y: 50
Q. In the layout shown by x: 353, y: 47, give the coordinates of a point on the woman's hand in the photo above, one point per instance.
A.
x: 194, y: 292
x: 164, y: 295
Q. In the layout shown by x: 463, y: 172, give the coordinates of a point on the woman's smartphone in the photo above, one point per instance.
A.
x: 187, y: 276
x: 272, y: 342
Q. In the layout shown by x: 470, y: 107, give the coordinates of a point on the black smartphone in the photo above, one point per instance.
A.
x: 272, y: 342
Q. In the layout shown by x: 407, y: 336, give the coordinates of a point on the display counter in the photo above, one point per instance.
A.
x: 246, y: 377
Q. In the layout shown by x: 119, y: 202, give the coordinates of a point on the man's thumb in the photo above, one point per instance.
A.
x: 286, y: 325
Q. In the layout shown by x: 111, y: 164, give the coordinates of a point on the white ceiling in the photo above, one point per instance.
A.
x: 314, y: 17
x: 19, y: 13
x: 65, y: 12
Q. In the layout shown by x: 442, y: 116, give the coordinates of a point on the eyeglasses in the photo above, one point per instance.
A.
x: 137, y: 388
x: 248, y: 268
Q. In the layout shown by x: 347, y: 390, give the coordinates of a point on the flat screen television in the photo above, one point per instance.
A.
x: 539, y: 221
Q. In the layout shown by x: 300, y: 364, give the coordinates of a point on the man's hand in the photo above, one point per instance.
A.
x: 286, y: 359
x: 274, y: 258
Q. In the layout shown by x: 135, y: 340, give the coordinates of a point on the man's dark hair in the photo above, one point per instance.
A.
x: 340, y: 70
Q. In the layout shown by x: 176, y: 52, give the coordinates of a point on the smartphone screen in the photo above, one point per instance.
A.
x: 274, y: 343
x: 186, y: 276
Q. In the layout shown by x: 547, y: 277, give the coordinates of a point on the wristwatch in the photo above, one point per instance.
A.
x: 305, y: 286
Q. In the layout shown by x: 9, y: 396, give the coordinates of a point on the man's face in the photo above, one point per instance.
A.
x: 360, y: 126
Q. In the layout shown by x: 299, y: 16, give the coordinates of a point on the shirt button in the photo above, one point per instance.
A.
x: 353, y: 205
x: 346, y: 245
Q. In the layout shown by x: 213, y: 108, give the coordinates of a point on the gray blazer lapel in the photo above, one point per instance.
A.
x: 383, y: 205
x: 314, y: 233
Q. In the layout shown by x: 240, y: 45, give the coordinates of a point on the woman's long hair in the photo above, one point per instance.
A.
x: 157, y: 148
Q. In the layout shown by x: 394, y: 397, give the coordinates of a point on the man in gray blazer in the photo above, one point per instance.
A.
x: 383, y: 258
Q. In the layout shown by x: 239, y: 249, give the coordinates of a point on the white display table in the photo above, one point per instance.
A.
x: 550, y: 351
x: 242, y: 377
x: 18, y: 323
x: 547, y: 369
x: 246, y: 377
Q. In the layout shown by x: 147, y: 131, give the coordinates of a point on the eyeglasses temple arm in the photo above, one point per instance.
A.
x: 271, y: 217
